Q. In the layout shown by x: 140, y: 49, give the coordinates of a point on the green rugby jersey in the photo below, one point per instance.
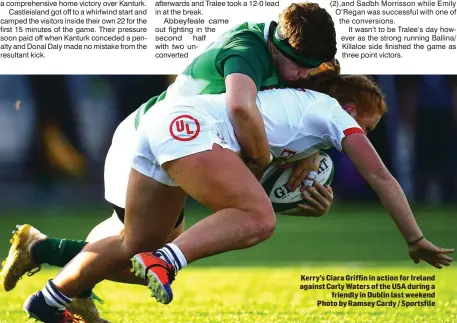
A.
x: 242, y: 49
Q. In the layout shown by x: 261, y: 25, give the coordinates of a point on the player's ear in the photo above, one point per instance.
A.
x: 350, y: 108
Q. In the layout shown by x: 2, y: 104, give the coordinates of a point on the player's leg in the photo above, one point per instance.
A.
x: 30, y: 248
x: 127, y: 277
x: 219, y: 180
x: 107, y: 228
x: 84, y: 304
x: 243, y: 214
x: 179, y: 227
x: 24, y: 257
x: 152, y: 209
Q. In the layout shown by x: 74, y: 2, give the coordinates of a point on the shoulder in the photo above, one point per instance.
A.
x: 309, y: 97
x: 245, y: 38
x: 318, y: 97
x: 301, y: 95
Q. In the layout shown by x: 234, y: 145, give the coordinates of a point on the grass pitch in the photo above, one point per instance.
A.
x: 262, y: 284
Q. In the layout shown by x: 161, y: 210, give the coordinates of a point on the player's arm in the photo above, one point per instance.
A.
x: 244, y: 63
x: 369, y: 164
x: 367, y: 161
x: 246, y: 118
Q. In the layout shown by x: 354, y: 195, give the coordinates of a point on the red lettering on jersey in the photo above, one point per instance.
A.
x: 184, y: 128
x: 287, y: 153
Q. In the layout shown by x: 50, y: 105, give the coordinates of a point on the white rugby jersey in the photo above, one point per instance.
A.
x: 300, y: 122
x: 297, y: 122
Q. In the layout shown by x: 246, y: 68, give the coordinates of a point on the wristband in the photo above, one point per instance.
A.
x: 415, y: 241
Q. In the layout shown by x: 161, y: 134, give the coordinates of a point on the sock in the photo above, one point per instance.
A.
x: 173, y: 255
x: 54, y: 298
x: 58, y: 252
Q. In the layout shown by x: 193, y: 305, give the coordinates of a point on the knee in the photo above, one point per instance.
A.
x: 138, y: 245
x: 132, y: 248
x: 263, y: 222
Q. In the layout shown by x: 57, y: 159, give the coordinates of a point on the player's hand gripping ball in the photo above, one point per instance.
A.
x: 275, y: 179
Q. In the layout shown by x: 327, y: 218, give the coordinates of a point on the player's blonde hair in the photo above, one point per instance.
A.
x: 358, y: 89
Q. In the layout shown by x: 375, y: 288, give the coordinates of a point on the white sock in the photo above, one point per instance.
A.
x: 173, y: 255
x: 54, y: 298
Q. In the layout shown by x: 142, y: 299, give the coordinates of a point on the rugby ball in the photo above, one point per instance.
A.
x: 275, y: 178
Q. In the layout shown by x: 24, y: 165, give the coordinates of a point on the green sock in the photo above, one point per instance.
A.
x: 58, y: 252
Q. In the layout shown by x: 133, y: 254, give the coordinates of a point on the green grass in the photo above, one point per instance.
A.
x: 262, y: 284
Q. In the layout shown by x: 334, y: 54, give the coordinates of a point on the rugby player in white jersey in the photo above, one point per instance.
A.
x: 189, y: 146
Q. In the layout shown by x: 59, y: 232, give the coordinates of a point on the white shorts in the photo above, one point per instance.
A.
x: 170, y: 133
x: 118, y: 161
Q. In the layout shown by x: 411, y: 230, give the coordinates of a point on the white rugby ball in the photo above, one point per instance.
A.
x: 275, y: 179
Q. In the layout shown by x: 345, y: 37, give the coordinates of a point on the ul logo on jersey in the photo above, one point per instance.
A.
x: 184, y: 128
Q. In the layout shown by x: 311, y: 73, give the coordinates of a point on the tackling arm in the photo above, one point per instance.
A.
x: 246, y: 118
x: 245, y: 63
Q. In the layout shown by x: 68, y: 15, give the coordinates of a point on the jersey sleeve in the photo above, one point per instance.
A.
x: 341, y: 125
x: 326, y: 119
x: 245, y: 53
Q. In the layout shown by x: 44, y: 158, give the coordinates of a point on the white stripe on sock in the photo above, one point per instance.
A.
x: 61, y: 298
x: 169, y: 255
x: 49, y: 299
x: 179, y: 254
x: 163, y: 256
